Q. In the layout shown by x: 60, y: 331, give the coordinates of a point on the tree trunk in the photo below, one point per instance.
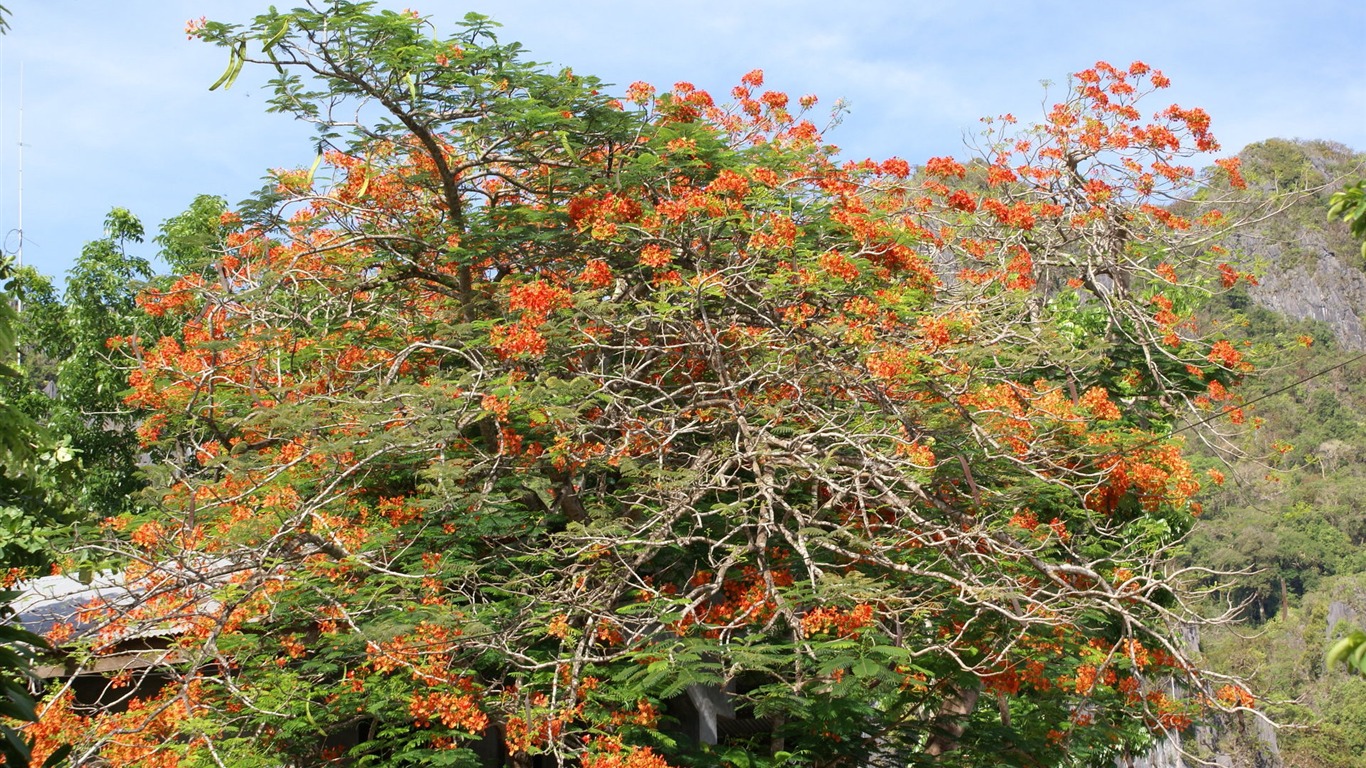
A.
x: 948, y: 725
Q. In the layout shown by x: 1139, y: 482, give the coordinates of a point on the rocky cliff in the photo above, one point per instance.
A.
x: 1326, y: 287
x: 1310, y: 268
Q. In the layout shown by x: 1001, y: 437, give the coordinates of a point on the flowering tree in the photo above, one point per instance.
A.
x: 525, y: 409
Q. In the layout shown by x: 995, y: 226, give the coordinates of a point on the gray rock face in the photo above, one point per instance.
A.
x: 1242, y: 740
x: 1165, y: 754
x: 1326, y: 287
x: 1339, y: 611
x: 1310, y: 267
x: 1247, y: 742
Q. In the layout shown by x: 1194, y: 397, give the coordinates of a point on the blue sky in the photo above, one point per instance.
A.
x: 117, y: 110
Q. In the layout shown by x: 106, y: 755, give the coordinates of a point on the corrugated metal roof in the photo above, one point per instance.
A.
x: 45, y: 602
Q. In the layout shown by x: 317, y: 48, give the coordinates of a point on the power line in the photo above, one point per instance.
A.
x: 1258, y: 399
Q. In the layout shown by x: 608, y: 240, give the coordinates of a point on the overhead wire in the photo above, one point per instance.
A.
x: 1254, y: 400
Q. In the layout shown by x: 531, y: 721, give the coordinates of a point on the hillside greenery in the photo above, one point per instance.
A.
x: 1290, y: 513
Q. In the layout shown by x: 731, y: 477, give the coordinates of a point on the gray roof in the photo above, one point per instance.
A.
x: 43, y: 603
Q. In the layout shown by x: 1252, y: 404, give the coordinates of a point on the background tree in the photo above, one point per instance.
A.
x: 69, y: 384
x: 32, y: 467
x: 74, y: 457
x: 99, y: 305
x: 525, y: 409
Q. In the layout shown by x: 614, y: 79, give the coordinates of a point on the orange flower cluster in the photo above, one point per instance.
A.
x: 1025, y: 519
x: 457, y: 711
x: 1222, y: 353
x: 600, y: 216
x: 559, y: 627
x: 1235, y: 696
x: 645, y: 715
x: 781, y: 233
x: 138, y: 735
x: 1019, y: 215
x: 836, y: 265
x: 655, y: 256
x: 596, y: 274
x: 149, y: 534
x: 606, y: 752
x: 964, y: 201
x: 1086, y: 679
x: 1172, y: 714
x: 427, y: 651
x: 945, y: 167
x: 746, y: 601
x: 1233, y: 167
x: 831, y: 620
x: 918, y: 453
x: 1097, y: 401
x: 518, y: 340
x: 180, y: 299
x: 729, y: 183
x: 537, y: 299
x: 1157, y: 475
x: 1006, y: 682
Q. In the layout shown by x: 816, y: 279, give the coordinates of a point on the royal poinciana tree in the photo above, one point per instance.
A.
x: 527, y: 407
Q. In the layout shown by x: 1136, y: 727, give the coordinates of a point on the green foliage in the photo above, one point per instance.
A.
x: 68, y: 383
x: 1290, y: 514
x: 1349, y: 205
x: 1350, y: 650
x: 37, y: 466
x: 190, y: 240
x: 32, y: 464
x: 1284, y: 659
x: 99, y: 306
